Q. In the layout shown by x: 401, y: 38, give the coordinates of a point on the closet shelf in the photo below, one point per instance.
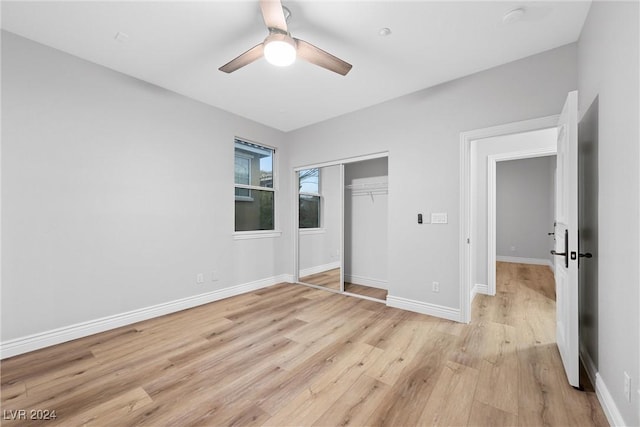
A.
x: 368, y: 189
x: 369, y: 186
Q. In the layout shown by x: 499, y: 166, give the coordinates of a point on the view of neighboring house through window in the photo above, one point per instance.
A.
x: 255, y: 195
x: 310, y: 198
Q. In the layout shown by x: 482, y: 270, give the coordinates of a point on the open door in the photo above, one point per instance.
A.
x: 566, y: 232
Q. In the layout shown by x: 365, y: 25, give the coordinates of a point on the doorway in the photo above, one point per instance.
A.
x: 475, y: 149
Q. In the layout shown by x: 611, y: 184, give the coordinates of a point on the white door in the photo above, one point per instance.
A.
x: 566, y: 251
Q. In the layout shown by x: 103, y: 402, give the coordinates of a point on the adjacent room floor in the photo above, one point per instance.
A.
x: 294, y: 355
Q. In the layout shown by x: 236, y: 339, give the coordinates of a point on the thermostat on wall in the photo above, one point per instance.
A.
x: 439, y: 218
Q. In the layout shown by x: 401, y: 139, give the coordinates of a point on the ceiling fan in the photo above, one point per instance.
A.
x: 279, y: 48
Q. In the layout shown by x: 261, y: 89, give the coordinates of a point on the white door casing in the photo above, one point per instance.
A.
x: 566, y: 233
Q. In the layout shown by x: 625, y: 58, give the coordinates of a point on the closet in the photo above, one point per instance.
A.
x: 342, y: 215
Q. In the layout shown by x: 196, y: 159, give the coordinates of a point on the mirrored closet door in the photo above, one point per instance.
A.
x: 320, y: 227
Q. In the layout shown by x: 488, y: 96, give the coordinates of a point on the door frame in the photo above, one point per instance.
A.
x: 492, y: 229
x: 467, y: 248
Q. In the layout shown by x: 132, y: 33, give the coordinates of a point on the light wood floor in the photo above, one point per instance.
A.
x: 294, y: 355
x: 328, y: 279
x: 331, y: 279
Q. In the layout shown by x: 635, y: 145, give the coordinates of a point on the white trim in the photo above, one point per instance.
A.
x: 424, y: 308
x: 366, y: 281
x: 379, y: 155
x: 479, y: 288
x: 254, y: 187
x: 607, y: 402
x: 307, y: 231
x: 246, y: 235
x: 523, y: 260
x: 351, y: 294
x: 341, y: 247
x: 33, y: 342
x: 474, y: 292
x: 319, y: 269
x: 295, y: 232
x: 466, y: 248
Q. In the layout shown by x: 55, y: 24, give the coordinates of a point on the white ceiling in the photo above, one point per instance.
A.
x: 180, y: 45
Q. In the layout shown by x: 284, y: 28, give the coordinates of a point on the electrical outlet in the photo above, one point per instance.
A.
x: 214, y: 276
x: 200, y: 278
x: 513, y: 248
x: 627, y: 387
x: 435, y: 287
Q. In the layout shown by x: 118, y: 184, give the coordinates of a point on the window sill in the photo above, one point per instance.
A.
x: 307, y: 231
x: 262, y: 234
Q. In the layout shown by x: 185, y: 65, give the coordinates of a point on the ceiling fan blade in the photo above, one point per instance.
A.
x: 245, y: 59
x: 319, y: 57
x: 273, y: 14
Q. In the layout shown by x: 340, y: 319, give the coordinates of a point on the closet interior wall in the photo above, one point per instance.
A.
x: 366, y: 223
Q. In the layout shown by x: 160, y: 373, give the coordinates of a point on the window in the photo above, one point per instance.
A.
x: 309, y: 198
x: 253, y: 186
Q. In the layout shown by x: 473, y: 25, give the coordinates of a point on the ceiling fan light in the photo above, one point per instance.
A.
x: 280, y: 50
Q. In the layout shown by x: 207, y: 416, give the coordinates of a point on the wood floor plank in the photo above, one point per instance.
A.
x: 407, y: 343
x: 294, y: 355
x: 328, y: 279
x: 487, y: 415
x: 411, y: 390
x: 499, y: 369
x: 116, y: 408
x: 369, y: 291
x: 441, y: 410
x: 309, y: 405
x: 352, y: 407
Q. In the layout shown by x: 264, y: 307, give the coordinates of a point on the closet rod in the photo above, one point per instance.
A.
x: 368, y: 185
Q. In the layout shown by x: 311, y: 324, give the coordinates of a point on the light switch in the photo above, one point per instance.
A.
x: 439, y: 218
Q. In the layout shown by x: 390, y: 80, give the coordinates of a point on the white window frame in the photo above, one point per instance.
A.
x: 250, y: 160
x: 259, y: 234
x: 319, y: 229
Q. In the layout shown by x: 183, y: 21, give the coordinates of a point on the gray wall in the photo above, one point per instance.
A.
x: 524, y: 207
x: 365, y: 225
x: 421, y: 132
x: 115, y: 193
x: 608, y: 57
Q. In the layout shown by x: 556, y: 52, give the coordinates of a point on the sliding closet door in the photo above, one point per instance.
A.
x: 320, y: 195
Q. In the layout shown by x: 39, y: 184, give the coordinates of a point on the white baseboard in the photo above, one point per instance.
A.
x: 366, y: 281
x: 479, y: 288
x: 424, y: 308
x: 319, y: 269
x: 33, y: 342
x: 609, y: 406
